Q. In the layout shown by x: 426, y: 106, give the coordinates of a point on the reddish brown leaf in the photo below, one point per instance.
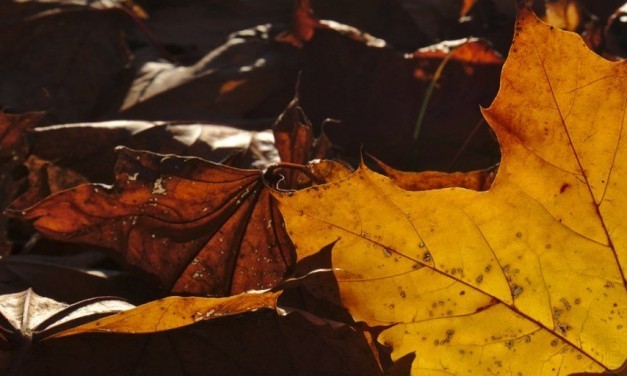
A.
x: 195, y: 226
x: 293, y: 134
x: 295, y: 143
x: 56, y: 163
x: 12, y: 130
x: 471, y: 51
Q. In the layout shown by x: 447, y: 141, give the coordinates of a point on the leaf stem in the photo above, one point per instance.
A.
x: 425, y: 104
x: 302, y: 168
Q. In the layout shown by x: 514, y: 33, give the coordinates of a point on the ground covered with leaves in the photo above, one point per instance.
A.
x: 313, y: 187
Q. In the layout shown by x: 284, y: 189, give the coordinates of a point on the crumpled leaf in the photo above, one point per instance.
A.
x: 296, y: 143
x: 195, y: 226
x: 527, y: 277
x: 249, y: 76
x: 26, y: 315
x: 196, y: 27
x: 55, y: 163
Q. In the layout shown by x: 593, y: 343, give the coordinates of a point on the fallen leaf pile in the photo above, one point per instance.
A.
x: 312, y: 187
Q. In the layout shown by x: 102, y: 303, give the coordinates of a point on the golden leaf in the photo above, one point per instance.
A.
x: 175, y: 312
x: 526, y: 278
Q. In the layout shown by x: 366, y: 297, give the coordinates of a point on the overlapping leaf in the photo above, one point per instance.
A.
x: 526, y: 278
x: 28, y: 316
x: 177, y: 335
x: 259, y: 342
x: 195, y: 226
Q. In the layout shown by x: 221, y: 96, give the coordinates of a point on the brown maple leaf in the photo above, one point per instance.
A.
x: 196, y: 226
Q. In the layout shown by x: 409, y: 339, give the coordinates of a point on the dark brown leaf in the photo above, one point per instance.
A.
x: 377, y: 92
x: 197, y: 27
x: 259, y: 343
x: 61, y: 61
x: 250, y: 76
x: 70, y: 278
x: 56, y: 163
x: 13, y: 150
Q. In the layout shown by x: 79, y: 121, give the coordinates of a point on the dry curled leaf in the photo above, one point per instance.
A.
x: 296, y: 144
x: 528, y: 276
x: 26, y: 316
x: 479, y: 180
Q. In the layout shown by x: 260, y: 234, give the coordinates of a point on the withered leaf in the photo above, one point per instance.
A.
x: 249, y: 76
x: 478, y: 180
x: 175, y: 312
x: 195, y: 226
x: 56, y: 164
x: 293, y: 134
x: 296, y: 143
x: 197, y: 27
x: 28, y: 316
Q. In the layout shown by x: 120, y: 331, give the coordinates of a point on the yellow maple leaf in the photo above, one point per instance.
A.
x: 527, y: 278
